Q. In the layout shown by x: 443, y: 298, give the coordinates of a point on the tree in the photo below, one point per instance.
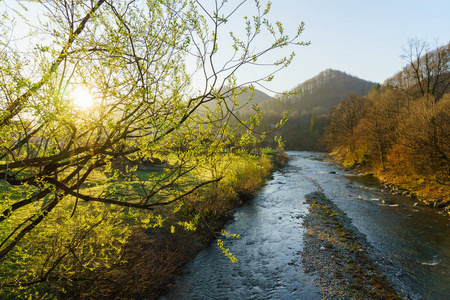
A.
x: 312, y: 131
x: 380, y: 124
x: 133, y: 57
x: 425, y: 136
x: 427, y: 72
x: 345, y: 119
x: 312, y: 126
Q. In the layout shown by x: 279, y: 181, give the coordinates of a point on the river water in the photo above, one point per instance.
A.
x: 411, y: 243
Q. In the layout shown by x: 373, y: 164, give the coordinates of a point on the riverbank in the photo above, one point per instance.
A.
x: 339, y: 255
x: 421, y: 190
x: 155, y: 257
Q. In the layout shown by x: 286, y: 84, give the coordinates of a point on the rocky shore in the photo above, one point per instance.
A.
x: 339, y: 256
x: 421, y: 191
x: 441, y: 202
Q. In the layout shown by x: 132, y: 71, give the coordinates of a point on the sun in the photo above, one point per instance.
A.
x: 82, y: 97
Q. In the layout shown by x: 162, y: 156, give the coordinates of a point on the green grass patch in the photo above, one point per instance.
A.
x: 97, y: 241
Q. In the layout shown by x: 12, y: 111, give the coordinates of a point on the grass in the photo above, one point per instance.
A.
x: 426, y: 190
x: 425, y: 187
x: 130, y: 253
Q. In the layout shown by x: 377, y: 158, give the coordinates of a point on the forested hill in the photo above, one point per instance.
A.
x: 310, y: 109
x: 320, y: 94
x: 258, y: 97
x: 242, y: 99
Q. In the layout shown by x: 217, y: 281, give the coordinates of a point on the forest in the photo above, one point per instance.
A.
x: 309, y: 107
x: 401, y: 130
x: 398, y: 130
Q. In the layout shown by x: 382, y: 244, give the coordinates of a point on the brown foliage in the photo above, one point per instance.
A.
x: 426, y: 135
x: 345, y: 119
x: 403, y: 130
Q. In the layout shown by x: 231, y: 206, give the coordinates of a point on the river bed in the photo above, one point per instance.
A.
x: 411, y: 243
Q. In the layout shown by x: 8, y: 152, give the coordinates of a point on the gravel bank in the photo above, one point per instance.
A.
x: 338, y: 255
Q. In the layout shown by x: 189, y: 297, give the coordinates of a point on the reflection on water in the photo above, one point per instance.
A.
x: 271, y: 235
x: 413, y: 243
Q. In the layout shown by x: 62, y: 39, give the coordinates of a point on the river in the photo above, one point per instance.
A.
x: 412, y: 243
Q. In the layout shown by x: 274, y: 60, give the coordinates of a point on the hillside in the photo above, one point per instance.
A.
x: 310, y: 110
x: 320, y: 94
x: 401, y: 130
x: 258, y: 97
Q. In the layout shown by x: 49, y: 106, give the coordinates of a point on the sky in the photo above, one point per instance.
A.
x: 360, y: 37
x: 364, y: 38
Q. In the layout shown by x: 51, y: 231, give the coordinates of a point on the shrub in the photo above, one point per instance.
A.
x: 250, y: 176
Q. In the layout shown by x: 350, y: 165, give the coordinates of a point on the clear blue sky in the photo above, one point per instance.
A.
x: 361, y: 37
x: 364, y: 38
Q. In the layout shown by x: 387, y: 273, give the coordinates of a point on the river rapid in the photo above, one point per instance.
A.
x: 411, y: 243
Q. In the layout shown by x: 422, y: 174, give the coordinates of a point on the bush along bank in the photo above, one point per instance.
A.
x: 422, y: 190
x: 339, y: 255
x: 154, y: 257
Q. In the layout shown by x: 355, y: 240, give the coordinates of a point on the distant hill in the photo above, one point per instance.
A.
x: 320, y: 94
x: 258, y: 97
x: 310, y: 110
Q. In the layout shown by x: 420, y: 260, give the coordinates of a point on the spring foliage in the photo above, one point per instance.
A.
x: 78, y: 179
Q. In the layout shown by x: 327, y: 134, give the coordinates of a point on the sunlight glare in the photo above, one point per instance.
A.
x: 82, y: 97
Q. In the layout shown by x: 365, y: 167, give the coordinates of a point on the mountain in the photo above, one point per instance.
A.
x: 258, y: 97
x: 320, y: 94
x: 310, y: 110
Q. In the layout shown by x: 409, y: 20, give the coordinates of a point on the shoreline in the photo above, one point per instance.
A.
x: 339, y: 255
x: 422, y: 197
x: 418, y: 189
x: 208, y: 230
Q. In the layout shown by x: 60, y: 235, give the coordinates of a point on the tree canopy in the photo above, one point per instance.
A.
x: 401, y: 128
x: 137, y: 60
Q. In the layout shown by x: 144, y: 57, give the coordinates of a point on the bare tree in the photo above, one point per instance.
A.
x: 345, y: 119
x: 425, y: 135
x: 427, y: 71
